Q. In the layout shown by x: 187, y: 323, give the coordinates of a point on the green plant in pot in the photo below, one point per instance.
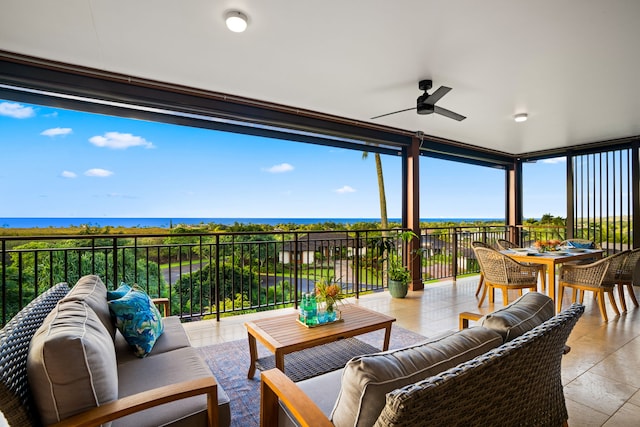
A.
x: 399, y: 276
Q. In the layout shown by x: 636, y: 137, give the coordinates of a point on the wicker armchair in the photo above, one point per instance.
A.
x: 478, y: 244
x: 504, y: 244
x: 598, y: 277
x: 502, y: 272
x: 625, y: 278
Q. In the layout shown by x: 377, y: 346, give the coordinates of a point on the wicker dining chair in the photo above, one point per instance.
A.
x: 505, y: 244
x: 504, y: 273
x: 598, y: 277
x: 478, y: 244
x: 625, y: 278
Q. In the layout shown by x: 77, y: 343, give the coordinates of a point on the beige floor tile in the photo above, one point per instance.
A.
x: 627, y: 416
x: 599, y: 393
x: 622, y: 366
x: 584, y: 416
x: 635, y: 399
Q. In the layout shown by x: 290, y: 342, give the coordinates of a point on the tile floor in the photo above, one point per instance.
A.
x: 601, y: 374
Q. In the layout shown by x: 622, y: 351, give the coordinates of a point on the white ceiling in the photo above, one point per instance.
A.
x: 572, y: 65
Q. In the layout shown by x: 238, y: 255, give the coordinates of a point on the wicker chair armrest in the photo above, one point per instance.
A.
x: 276, y: 386
x: 586, y: 274
x: 148, y: 399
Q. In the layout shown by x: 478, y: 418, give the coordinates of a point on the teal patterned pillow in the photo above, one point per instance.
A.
x: 122, y: 290
x: 138, y: 320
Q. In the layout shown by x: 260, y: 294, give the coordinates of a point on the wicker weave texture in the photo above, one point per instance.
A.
x: 602, y: 273
x: 504, y: 244
x: 516, y: 384
x: 500, y: 269
x: 629, y: 265
x: 15, y: 398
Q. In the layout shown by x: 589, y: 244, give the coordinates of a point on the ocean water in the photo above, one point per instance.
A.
x: 169, y: 222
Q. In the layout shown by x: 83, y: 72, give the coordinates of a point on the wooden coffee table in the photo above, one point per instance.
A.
x: 283, y: 334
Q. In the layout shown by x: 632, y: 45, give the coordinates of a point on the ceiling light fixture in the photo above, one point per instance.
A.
x: 236, y: 21
x: 522, y: 117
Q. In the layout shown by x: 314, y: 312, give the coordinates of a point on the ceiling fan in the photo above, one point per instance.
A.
x: 426, y: 102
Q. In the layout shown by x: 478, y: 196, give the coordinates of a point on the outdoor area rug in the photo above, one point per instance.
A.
x: 229, y: 362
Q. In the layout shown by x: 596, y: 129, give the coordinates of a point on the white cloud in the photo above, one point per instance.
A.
x: 68, y: 174
x: 281, y: 168
x: 15, y: 110
x: 555, y: 160
x: 101, y: 173
x: 345, y: 189
x: 120, y: 141
x: 56, y: 131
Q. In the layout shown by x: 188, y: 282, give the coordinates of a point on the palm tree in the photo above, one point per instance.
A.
x: 384, y: 221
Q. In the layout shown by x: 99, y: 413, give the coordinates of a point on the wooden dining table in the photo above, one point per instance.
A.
x: 551, y: 259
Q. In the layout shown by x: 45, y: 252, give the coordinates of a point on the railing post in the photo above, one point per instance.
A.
x: 217, y: 281
x: 115, y: 260
x: 4, y: 282
x: 295, y: 268
x: 455, y: 254
x: 356, y: 265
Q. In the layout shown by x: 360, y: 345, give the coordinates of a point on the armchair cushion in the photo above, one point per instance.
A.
x: 367, y: 379
x: 92, y: 291
x: 524, y: 314
x: 71, y: 363
x: 138, y: 319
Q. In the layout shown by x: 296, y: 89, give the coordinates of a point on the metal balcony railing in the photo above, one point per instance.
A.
x: 210, y: 274
x: 204, y: 274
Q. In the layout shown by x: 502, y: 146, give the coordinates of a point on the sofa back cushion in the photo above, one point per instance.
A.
x: 522, y: 315
x: 92, y: 290
x: 71, y: 364
x: 367, y: 379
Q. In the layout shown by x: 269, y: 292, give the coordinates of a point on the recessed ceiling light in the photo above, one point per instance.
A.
x: 236, y: 21
x: 522, y: 117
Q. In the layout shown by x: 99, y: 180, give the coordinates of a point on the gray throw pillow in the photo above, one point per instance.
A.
x: 522, y: 315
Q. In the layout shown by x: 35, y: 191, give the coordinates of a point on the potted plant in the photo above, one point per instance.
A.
x: 399, y: 276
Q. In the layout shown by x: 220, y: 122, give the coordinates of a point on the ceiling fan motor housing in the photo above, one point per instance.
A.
x: 423, y: 108
x: 425, y: 84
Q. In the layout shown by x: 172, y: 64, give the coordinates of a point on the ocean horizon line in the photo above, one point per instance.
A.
x: 166, y: 222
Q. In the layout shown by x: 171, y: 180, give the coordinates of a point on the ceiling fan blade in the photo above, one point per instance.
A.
x: 448, y: 113
x: 395, y: 112
x: 435, y: 96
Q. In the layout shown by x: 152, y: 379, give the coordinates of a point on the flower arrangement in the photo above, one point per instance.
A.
x: 328, y: 291
x: 546, y: 245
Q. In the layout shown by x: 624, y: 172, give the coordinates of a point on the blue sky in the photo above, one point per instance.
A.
x: 63, y: 163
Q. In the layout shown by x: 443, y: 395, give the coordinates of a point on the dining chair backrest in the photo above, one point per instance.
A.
x: 629, y: 266
x: 504, y: 244
x: 616, y: 262
x: 479, y: 244
x: 500, y: 268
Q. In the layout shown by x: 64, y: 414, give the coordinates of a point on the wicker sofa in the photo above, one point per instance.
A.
x: 63, y: 362
x: 504, y: 372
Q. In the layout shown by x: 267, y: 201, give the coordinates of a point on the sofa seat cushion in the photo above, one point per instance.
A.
x: 92, y: 290
x: 175, y: 366
x: 367, y: 379
x: 522, y: 315
x: 173, y: 337
x: 71, y: 364
x: 138, y: 320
